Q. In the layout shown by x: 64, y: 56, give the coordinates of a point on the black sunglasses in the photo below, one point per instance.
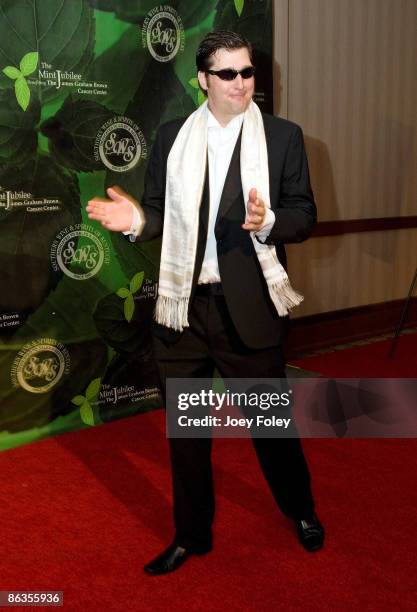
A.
x: 228, y: 74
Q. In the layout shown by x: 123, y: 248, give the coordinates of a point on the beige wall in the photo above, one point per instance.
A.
x: 345, y: 70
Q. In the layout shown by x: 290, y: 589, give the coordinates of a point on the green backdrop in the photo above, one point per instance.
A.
x: 84, y: 85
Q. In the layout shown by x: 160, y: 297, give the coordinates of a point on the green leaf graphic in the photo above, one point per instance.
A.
x: 78, y: 400
x: 136, y: 282
x: 201, y: 97
x: 124, y: 9
x: 121, y: 335
x: 194, y: 83
x: 62, y: 33
x: 129, y: 307
x: 26, y: 237
x: 20, y: 410
x: 191, y: 12
x: 22, y: 92
x: 12, y: 72
x: 72, y: 133
x: 86, y: 414
x: 93, y: 389
x: 239, y: 6
x: 149, y: 110
x: 123, y: 292
x: 18, y: 138
x: 29, y: 63
x: 106, y: 67
x: 253, y: 23
x: 73, y: 302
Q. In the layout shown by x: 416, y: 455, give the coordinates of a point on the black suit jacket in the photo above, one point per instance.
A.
x: 252, y: 311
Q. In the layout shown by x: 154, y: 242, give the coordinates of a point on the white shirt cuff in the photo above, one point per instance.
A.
x: 138, y: 222
x: 267, y: 225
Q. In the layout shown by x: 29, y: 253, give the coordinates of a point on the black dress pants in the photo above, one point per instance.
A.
x: 212, y: 341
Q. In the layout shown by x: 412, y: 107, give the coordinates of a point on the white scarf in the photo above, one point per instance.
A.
x: 184, y: 188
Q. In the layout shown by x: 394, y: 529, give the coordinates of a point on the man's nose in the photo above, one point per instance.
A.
x: 238, y: 81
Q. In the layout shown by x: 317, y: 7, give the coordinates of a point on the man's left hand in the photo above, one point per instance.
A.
x: 255, y: 212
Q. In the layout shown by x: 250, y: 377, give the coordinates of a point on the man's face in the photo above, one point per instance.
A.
x: 226, y: 99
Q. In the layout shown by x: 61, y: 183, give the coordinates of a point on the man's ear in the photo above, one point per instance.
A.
x: 202, y: 79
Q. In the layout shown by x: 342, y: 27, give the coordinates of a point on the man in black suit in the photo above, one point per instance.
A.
x: 231, y: 320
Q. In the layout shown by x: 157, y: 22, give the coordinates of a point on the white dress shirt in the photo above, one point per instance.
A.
x: 221, y: 142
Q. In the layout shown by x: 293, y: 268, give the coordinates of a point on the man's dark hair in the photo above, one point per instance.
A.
x: 222, y: 39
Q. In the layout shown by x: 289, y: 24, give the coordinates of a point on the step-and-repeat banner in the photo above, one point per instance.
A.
x: 84, y: 85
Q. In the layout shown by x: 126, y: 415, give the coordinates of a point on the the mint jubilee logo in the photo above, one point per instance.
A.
x: 85, y: 401
x: 127, y: 295
x: 28, y: 64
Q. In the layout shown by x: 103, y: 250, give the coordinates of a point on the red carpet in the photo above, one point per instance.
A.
x: 82, y: 512
x: 367, y: 361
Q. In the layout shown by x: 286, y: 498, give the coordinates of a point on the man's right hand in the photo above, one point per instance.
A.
x: 115, y: 214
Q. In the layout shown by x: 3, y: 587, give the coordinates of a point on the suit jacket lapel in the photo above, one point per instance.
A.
x: 205, y: 202
x: 202, y: 228
x: 270, y: 157
x: 233, y: 183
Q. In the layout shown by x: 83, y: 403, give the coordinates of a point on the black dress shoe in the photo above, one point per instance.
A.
x: 310, y: 533
x: 171, y: 559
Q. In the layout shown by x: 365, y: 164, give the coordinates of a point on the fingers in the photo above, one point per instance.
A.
x: 116, y: 193
x: 255, y: 204
x: 114, y: 215
x: 253, y: 194
x: 98, y: 209
x: 96, y: 205
x: 256, y: 209
x: 95, y: 210
x: 95, y: 216
x: 252, y: 227
x: 253, y: 222
x: 255, y: 212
